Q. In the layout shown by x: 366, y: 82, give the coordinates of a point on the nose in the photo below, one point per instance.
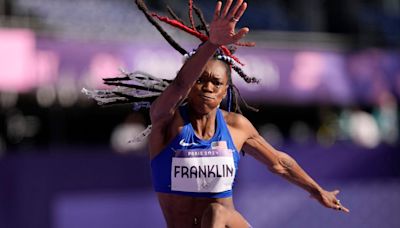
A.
x: 207, y: 87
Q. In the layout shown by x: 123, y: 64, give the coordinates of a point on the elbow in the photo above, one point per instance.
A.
x: 278, y: 169
x: 157, y: 115
x: 284, y: 164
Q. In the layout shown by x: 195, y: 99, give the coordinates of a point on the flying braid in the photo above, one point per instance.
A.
x: 141, y: 89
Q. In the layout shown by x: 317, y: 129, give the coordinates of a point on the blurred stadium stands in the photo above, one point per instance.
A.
x: 330, y: 88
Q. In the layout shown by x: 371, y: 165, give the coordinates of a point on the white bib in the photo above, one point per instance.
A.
x: 199, y: 170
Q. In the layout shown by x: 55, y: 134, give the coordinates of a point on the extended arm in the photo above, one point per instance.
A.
x: 284, y: 165
x: 222, y: 32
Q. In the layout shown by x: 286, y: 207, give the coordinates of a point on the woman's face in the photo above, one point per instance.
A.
x: 209, y: 90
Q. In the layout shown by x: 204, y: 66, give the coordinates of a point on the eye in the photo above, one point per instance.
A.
x: 217, y: 84
x: 199, y: 81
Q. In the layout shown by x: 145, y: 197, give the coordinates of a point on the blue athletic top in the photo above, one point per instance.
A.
x: 195, y: 167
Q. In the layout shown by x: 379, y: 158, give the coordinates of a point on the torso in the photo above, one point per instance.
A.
x: 165, y: 136
x: 186, y: 211
x: 179, y: 210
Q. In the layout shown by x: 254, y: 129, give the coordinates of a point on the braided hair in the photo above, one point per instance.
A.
x: 141, y: 89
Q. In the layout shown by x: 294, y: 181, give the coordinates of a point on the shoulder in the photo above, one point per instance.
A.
x: 237, y: 121
x: 240, y: 128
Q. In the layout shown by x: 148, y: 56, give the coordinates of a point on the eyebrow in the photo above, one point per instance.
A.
x: 214, y: 76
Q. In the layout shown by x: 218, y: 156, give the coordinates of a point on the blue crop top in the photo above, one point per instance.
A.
x: 195, y: 167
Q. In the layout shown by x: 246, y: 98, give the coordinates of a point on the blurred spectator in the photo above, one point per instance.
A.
x: 386, y: 114
x: 132, y: 126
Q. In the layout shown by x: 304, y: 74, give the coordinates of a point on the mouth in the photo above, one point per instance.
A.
x: 207, y: 97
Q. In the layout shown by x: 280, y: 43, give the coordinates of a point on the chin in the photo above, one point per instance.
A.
x: 204, y: 108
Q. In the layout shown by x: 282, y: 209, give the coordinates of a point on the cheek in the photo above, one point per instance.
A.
x: 221, y: 93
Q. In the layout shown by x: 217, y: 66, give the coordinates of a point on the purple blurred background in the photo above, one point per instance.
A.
x: 329, y: 95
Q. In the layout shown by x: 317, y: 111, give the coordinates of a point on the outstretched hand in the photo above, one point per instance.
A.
x: 222, y: 27
x: 328, y: 199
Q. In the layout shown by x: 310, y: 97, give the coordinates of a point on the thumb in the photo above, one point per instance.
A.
x: 241, y: 33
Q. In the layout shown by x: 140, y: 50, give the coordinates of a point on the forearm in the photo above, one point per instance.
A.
x: 166, y: 104
x: 193, y: 67
x: 290, y: 170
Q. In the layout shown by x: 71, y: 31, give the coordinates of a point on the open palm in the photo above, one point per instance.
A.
x: 222, y: 27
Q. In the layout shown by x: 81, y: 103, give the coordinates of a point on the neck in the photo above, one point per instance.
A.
x: 203, y: 123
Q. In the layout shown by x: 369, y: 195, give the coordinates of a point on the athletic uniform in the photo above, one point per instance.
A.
x: 195, y: 167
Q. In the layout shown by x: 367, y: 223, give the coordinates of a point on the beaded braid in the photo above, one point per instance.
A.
x: 141, y: 89
x: 142, y: 7
x: 233, y: 93
x: 238, y: 70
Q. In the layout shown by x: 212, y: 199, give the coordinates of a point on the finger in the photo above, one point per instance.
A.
x: 217, y: 10
x: 241, y: 33
x: 226, y: 8
x: 233, y: 11
x: 340, y: 207
x: 345, y: 209
x: 336, y: 192
x: 245, y: 44
x: 241, y: 11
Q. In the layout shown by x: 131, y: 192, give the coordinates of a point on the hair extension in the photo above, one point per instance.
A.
x: 141, y: 104
x: 226, y: 51
x: 173, y: 15
x: 142, y: 7
x: 132, y: 87
x: 244, y: 76
x: 191, y: 15
x: 243, y: 100
x: 141, y: 136
x: 232, y: 49
x: 245, y: 44
x: 105, y: 97
x: 238, y: 70
x: 120, y: 96
x: 141, y: 89
x: 202, y: 20
x: 229, y: 98
x: 181, y: 26
x: 137, y: 81
x: 233, y: 94
x: 235, y: 98
x: 231, y: 62
x: 193, y: 32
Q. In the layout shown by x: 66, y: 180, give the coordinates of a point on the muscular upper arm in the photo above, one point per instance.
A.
x: 256, y: 146
x: 163, y: 108
x: 162, y: 114
x: 161, y: 134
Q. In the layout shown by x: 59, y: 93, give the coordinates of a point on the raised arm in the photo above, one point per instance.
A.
x: 284, y: 165
x: 222, y: 32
